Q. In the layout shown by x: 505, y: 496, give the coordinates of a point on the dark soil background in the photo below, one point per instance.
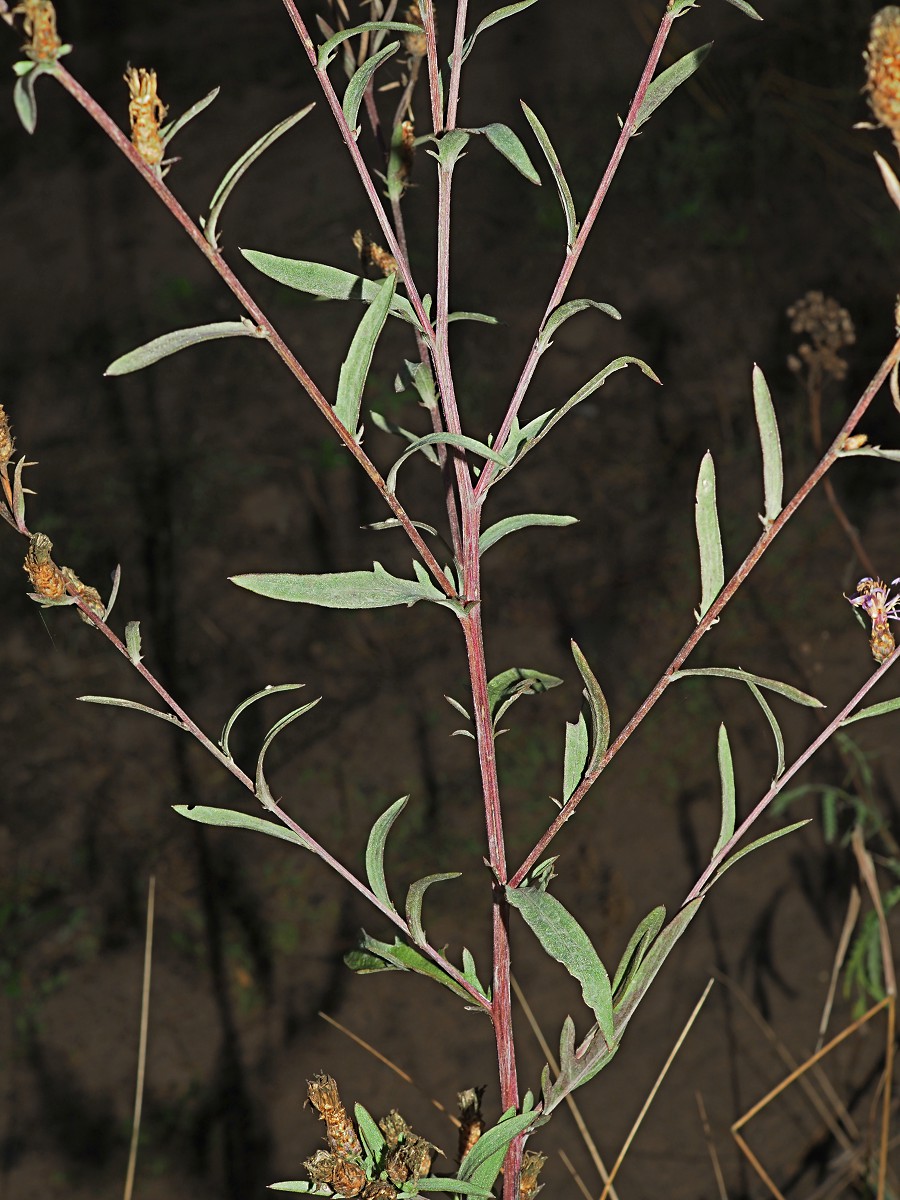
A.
x: 747, y: 189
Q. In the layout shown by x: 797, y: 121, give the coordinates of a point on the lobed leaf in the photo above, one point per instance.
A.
x: 772, y: 685
x: 565, y: 194
x: 329, y: 283
x: 667, y: 81
x: 230, y: 819
x: 564, y: 939
x: 773, y: 468
x: 114, y: 702
x: 359, y: 81
x: 726, y: 777
x: 709, y: 537
x: 492, y: 535
x: 499, y: 14
x: 569, y: 309
x: 240, y: 167
x: 375, y: 851
x: 344, y: 589
x: 414, y: 898
x: 355, y: 368
x: 269, y: 690
x: 598, y: 707
x: 180, y: 339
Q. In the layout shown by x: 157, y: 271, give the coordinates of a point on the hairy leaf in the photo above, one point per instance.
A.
x: 482, y: 318
x: 327, y: 50
x: 667, y: 81
x: 746, y: 8
x: 414, y: 898
x: 116, y: 703
x: 561, y: 314
x: 726, y: 777
x: 263, y: 792
x: 773, y: 469
x: 598, y: 707
x: 565, y: 195
x: 509, y: 144
x: 399, y: 957
x: 516, y: 681
x: 772, y: 685
x: 763, y: 841
x: 776, y: 728
x: 873, y: 710
x: 709, y: 538
x: 355, y: 368
x: 229, y: 819
x: 491, y: 536
x: 167, y: 132
x: 482, y: 1164
x: 576, y: 754
x: 499, y: 14
x: 133, y: 641
x: 634, y: 953
x: 180, y: 339
x: 269, y: 690
x: 456, y: 1187
x: 449, y: 439
x: 356, y: 88
x: 375, y: 850
x: 344, y: 589
x: 370, y: 1135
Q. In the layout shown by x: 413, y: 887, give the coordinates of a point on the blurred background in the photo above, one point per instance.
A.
x: 747, y: 190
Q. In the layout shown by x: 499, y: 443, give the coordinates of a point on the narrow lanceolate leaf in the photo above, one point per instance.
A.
x: 492, y: 535
x: 773, y: 470
x: 598, y: 707
x: 114, y: 702
x: 380, y: 956
x: 481, y: 318
x: 355, y: 368
x: 370, y: 1135
x: 450, y: 146
x: 346, y: 589
x: 180, y: 339
x: 667, y: 81
x: 637, y: 947
x: 455, y: 1187
x: 565, y: 194
x: 356, y: 88
x: 133, y: 641
x: 709, y: 539
x: 746, y: 8
x: 772, y: 685
x: 270, y: 690
x: 229, y: 819
x: 301, y: 1186
x: 776, y: 729
x: 234, y: 173
x: 577, y: 747
x: 263, y: 792
x: 726, y: 777
x: 873, y: 710
x: 499, y: 14
x: 482, y: 1164
x: 414, y: 898
x: 167, y: 132
x: 564, y: 939
x: 567, y: 310
x: 449, y: 439
x: 763, y: 841
x: 375, y: 850
x: 517, y: 681
x: 327, y: 50
x: 509, y: 144
x: 24, y: 101
x: 329, y: 283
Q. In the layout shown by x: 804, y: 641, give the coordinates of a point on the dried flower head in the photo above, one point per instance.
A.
x: 46, y: 578
x: 145, y: 111
x: 880, y: 606
x: 39, y: 24
x: 472, y: 1123
x: 347, y: 1177
x: 404, y: 150
x: 89, y: 596
x: 409, y: 1156
x: 7, y: 443
x: 371, y: 252
x: 379, y: 1189
x: 532, y: 1165
x: 415, y: 43
x: 829, y: 328
x: 882, y: 58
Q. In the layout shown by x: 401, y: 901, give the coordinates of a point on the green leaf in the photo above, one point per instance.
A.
x: 726, y: 777
x: 709, y: 538
x: 665, y: 83
x: 763, y: 841
x: 456, y: 1187
x: 239, y: 168
x: 871, y: 452
x: 491, y: 536
x: 356, y: 88
x: 509, y: 144
x: 114, y: 702
x: 387, y: 426
x: 133, y: 641
x: 375, y: 851
x: 746, y: 8
x: 300, y: 1185
x: 327, y: 49
x: 450, y: 146
x: 23, y: 66
x: 484, y: 318
x: 776, y: 728
x: 180, y: 339
x: 263, y: 792
x: 344, y: 589
x: 873, y: 710
x: 414, y: 898
x: 482, y: 1164
x: 167, y: 132
x: 499, y: 14
x: 773, y: 685
x: 637, y: 947
x: 269, y: 690
x: 355, y: 368
x: 370, y: 1135
x: 561, y: 314
x: 562, y: 187
x: 449, y: 439
x: 564, y: 939
x: 517, y: 681
x: 577, y: 747
x: 23, y: 97
x: 399, y: 957
x: 598, y: 706
x: 229, y: 819
x: 773, y: 470
x: 330, y: 283
x: 470, y: 974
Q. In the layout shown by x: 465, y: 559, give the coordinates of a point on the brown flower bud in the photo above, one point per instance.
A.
x: 39, y: 24
x: 46, y: 577
x: 7, y: 444
x: 89, y: 596
x: 471, y: 1121
x: 145, y: 111
x: 342, y: 1137
x: 415, y: 43
x: 371, y: 252
x: 532, y: 1165
x: 882, y: 59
